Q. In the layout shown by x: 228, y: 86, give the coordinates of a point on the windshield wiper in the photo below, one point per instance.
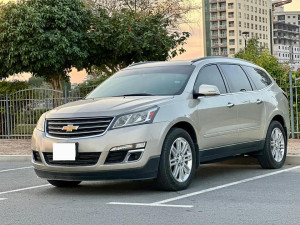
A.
x: 138, y: 94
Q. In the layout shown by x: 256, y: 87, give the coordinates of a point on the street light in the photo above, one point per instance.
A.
x: 245, y: 36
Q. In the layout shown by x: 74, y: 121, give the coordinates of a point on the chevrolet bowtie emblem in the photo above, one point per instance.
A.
x: 70, y: 128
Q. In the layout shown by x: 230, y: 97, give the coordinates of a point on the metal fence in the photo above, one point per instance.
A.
x: 296, y: 109
x: 20, y: 111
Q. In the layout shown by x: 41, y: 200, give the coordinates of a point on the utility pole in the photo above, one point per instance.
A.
x: 245, y: 36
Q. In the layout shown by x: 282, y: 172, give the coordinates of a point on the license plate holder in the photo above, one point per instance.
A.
x: 65, y: 151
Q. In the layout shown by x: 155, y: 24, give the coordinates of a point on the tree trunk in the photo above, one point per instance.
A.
x: 57, y: 86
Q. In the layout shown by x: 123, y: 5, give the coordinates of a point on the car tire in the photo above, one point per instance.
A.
x: 64, y: 183
x: 274, y: 153
x: 169, y: 176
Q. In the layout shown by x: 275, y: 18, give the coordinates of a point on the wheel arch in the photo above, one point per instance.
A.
x: 188, y: 127
x: 279, y: 118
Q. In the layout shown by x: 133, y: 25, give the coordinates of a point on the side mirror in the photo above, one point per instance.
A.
x: 207, y: 90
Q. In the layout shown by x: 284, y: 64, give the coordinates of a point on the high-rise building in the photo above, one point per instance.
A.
x: 225, y: 21
x: 287, y: 37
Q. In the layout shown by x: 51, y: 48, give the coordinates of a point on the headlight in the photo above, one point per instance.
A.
x: 41, y: 123
x: 142, y: 117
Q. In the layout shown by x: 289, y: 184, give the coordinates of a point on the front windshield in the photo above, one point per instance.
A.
x: 167, y: 80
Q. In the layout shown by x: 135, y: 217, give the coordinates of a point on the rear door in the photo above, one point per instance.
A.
x: 250, y: 105
x: 261, y: 81
x: 217, y: 114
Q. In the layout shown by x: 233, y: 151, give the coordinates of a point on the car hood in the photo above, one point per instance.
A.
x: 111, y: 106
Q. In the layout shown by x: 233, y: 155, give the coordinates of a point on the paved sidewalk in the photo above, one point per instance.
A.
x: 22, y: 147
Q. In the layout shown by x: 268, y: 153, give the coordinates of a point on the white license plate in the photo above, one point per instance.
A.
x: 64, y: 151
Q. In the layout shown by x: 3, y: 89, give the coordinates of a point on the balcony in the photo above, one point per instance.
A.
x: 222, y: 17
x: 215, y: 53
x: 214, y: 36
x: 213, y: 9
x: 213, y: 18
x: 223, y: 35
x: 223, y: 26
x: 223, y: 8
x: 215, y: 45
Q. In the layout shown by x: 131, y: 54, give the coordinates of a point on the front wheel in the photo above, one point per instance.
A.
x: 275, y: 150
x: 64, y: 183
x: 177, y: 162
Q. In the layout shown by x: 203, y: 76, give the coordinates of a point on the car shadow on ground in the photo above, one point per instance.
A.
x: 206, y: 175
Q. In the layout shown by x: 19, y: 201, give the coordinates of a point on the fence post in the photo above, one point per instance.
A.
x: 66, y: 94
x: 292, y: 106
x: 7, y: 117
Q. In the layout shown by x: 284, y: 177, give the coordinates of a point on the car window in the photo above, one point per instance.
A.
x: 210, y: 75
x: 259, y: 77
x: 236, y: 78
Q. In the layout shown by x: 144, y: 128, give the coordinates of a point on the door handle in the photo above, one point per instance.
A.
x: 229, y: 105
x: 258, y: 101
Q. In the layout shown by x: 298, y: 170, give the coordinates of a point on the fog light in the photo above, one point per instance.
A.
x: 129, y: 147
x: 134, y: 155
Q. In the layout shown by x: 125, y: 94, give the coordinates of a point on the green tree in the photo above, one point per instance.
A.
x: 9, y: 87
x: 120, y: 38
x: 44, y: 37
x: 264, y: 58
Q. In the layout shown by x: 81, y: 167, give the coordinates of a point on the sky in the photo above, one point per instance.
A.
x: 194, y: 46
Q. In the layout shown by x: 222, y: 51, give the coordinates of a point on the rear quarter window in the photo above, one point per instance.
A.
x: 258, y: 77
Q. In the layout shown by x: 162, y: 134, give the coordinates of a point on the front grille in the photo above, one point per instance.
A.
x: 116, y: 157
x: 82, y: 127
x: 83, y: 159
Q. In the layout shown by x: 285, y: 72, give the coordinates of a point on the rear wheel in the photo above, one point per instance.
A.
x: 274, y: 152
x: 177, y: 162
x: 64, y: 183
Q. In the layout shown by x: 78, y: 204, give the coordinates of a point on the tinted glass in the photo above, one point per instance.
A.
x: 236, y: 78
x: 145, y: 81
x: 210, y: 75
x: 259, y: 77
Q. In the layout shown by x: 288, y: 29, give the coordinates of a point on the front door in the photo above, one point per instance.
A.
x: 217, y: 114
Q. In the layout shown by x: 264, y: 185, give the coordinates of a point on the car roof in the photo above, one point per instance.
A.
x: 209, y: 59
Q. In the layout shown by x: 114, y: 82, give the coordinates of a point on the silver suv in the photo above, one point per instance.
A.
x: 161, y: 120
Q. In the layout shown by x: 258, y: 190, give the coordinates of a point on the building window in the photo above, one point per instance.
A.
x: 230, y: 6
x: 232, y: 51
x: 232, y: 41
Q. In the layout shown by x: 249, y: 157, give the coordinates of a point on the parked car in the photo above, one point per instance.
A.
x: 161, y: 120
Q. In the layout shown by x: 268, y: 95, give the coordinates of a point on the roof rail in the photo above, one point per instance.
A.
x: 141, y: 63
x: 207, y: 57
x: 222, y: 57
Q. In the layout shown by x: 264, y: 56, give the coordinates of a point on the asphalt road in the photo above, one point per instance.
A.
x: 220, y: 194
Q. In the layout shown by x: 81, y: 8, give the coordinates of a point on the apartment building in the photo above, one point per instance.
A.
x: 224, y: 22
x: 287, y: 37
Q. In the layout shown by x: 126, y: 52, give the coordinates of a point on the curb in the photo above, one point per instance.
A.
x: 15, y: 158
x: 290, y: 159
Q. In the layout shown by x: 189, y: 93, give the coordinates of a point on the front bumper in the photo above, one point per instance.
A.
x: 149, y: 171
x: 145, y: 168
